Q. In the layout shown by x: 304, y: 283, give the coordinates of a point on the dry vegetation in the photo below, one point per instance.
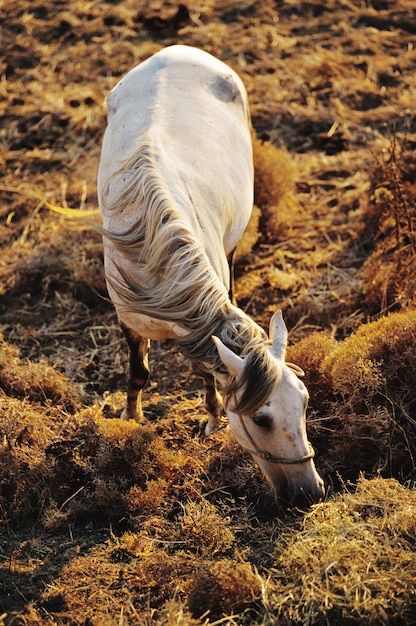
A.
x: 104, y: 522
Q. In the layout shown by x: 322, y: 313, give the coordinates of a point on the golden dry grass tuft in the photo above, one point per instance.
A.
x: 353, y: 559
x: 206, y: 532
x: 389, y: 272
x: 223, y: 588
x: 35, y: 382
x: 362, y: 396
x: 274, y: 188
x: 376, y: 359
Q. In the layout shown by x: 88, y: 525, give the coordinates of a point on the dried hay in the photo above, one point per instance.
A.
x: 389, y: 273
x: 35, y: 382
x: 225, y: 587
x: 375, y: 360
x: 362, y: 396
x: 353, y: 559
x: 274, y: 187
x: 205, y: 530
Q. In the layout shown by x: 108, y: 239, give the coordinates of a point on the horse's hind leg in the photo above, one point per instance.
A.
x: 137, y: 374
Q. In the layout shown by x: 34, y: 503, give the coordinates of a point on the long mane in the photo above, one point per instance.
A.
x: 170, y: 278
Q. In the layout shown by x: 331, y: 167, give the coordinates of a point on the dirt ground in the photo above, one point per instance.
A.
x: 103, y: 522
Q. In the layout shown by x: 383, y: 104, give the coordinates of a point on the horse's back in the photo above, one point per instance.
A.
x: 179, y: 90
x: 193, y: 110
x: 186, y: 70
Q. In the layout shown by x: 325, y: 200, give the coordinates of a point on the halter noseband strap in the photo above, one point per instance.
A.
x: 271, y: 458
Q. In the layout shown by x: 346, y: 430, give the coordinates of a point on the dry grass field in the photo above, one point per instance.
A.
x: 104, y: 522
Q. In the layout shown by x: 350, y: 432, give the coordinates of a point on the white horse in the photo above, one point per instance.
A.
x: 175, y: 187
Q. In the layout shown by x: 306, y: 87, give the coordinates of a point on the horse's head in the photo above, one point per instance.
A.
x: 274, y: 432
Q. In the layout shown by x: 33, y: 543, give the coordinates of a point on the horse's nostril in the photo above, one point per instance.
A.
x: 303, y: 498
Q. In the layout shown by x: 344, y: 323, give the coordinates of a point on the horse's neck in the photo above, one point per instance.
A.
x: 229, y: 324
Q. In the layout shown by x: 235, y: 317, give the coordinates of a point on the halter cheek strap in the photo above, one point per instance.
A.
x: 271, y: 458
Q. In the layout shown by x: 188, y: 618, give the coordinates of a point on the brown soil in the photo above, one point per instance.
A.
x: 104, y: 522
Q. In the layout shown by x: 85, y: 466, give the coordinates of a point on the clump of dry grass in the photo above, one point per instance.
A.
x: 24, y: 477
x: 150, y: 572
x: 274, y: 196
x: 373, y: 373
x: 223, y: 587
x: 309, y: 353
x: 162, y: 573
x: 126, y: 472
x: 377, y: 361
x: 274, y: 188
x: 353, y: 559
x: 173, y: 613
x: 363, y: 396
x: 275, y: 213
x: 37, y: 382
x: 388, y: 275
x: 206, y: 531
x: 64, y: 469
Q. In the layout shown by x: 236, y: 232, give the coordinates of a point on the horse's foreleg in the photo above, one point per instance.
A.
x: 213, y: 402
x: 137, y: 374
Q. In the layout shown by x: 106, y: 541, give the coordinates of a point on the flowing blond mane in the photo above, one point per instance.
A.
x: 173, y: 279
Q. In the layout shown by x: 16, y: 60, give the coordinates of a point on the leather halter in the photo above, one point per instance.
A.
x: 271, y: 458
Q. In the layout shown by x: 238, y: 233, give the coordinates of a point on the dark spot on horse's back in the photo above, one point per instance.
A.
x: 225, y: 89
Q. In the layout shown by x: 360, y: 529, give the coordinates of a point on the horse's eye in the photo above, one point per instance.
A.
x: 263, y: 420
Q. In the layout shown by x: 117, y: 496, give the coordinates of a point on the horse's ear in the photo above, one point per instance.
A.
x: 278, y: 336
x: 232, y: 361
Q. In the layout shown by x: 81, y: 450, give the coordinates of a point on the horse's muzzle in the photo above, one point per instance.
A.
x: 301, y: 496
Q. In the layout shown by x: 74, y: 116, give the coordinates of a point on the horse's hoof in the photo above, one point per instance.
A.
x: 136, y: 417
x: 212, y: 426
